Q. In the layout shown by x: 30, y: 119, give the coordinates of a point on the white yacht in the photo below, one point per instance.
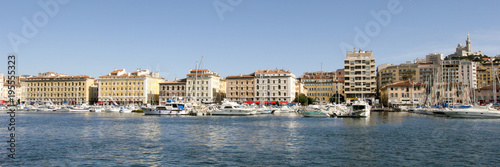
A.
x: 487, y: 111
x: 233, y: 108
x: 168, y: 109
x: 358, y: 109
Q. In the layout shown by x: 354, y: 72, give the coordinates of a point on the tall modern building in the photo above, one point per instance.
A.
x: 274, y: 85
x: 360, y: 82
x: 121, y: 87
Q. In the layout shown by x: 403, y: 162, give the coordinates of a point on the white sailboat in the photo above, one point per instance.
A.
x: 488, y: 111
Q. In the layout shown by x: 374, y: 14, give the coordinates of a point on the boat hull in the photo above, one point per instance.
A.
x: 233, y: 112
x: 153, y: 111
x: 473, y: 114
x: 315, y: 114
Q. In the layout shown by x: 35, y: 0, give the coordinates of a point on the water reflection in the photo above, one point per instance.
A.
x: 384, y: 139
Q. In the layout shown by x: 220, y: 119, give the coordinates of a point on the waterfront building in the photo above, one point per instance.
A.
x: 240, y: 88
x: 383, y: 74
x: 141, y: 86
x: 94, y: 93
x: 300, y: 87
x: 359, y: 67
x: 275, y: 85
x: 486, y: 74
x: 402, y: 93
x: 202, y: 85
x: 390, y: 73
x: 19, y: 85
x: 222, y: 84
x: 322, y: 86
x: 58, y: 88
x: 484, y: 95
x: 172, y: 90
x: 3, y: 91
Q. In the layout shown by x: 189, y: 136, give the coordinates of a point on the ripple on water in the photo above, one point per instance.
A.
x: 384, y: 139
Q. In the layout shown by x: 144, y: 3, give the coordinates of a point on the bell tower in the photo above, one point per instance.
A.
x: 467, y: 45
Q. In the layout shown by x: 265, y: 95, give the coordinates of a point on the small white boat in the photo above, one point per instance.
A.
x: 81, y: 108
x: 233, y: 108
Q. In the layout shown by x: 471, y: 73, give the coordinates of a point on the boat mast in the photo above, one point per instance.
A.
x: 494, y: 83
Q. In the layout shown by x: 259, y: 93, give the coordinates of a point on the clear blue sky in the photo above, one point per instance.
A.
x: 93, y: 37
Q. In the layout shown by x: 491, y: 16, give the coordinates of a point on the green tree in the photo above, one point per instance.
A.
x: 304, y: 100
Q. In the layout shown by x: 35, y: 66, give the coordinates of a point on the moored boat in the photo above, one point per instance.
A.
x: 315, y: 114
x: 233, y: 108
x: 487, y: 111
x: 172, y: 108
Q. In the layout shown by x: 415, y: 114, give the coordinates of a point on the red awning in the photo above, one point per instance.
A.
x: 249, y: 102
x: 283, y: 102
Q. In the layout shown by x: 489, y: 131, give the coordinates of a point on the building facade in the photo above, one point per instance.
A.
x: 202, y: 85
x: 397, y: 73
x: 403, y: 93
x: 240, y: 88
x: 172, y: 90
x: 486, y: 73
x: 360, y: 77
x: 322, y: 86
x: 121, y: 87
x: 59, y: 88
x: 274, y: 85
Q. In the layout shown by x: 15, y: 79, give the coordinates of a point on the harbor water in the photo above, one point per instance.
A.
x: 384, y: 139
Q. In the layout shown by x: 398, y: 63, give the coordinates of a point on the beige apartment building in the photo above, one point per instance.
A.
x: 274, y: 85
x: 300, y: 88
x: 360, y: 77
x: 322, y: 86
x: 202, y: 85
x: 240, y: 88
x: 388, y: 74
x: 403, y: 93
x: 59, y: 88
x: 121, y: 87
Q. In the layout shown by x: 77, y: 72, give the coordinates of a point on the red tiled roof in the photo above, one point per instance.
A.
x: 239, y: 76
x: 271, y: 71
x: 116, y: 71
x: 194, y: 70
x: 200, y: 74
x: 171, y: 82
x: 64, y: 77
